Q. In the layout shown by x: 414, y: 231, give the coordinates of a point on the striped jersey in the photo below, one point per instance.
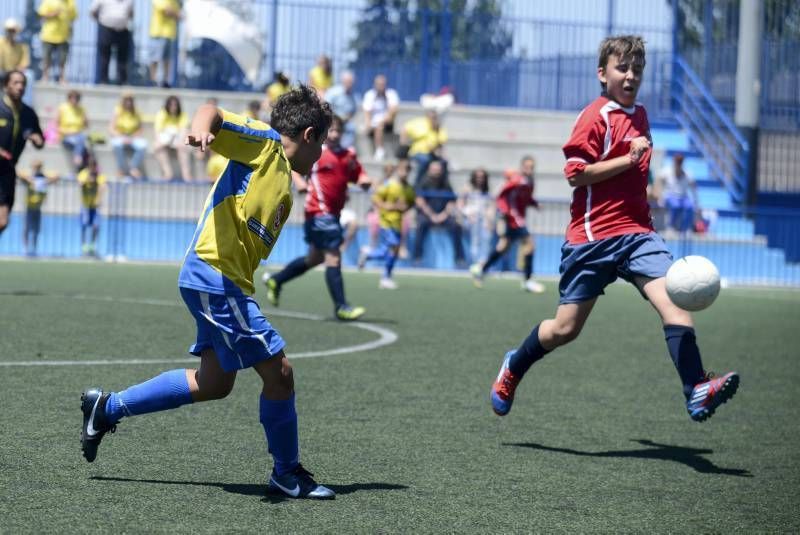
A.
x: 618, y: 205
x: 244, y: 212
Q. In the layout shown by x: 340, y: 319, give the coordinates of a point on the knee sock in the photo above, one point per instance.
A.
x: 527, y: 263
x: 529, y: 352
x: 293, y: 269
x: 333, y: 278
x: 391, y: 257
x: 491, y: 260
x: 169, y: 390
x: 279, y: 419
x: 685, y: 354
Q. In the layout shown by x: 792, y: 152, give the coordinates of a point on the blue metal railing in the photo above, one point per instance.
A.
x: 711, y: 130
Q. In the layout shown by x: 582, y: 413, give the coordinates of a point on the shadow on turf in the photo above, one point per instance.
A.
x: 691, y: 457
x: 255, y: 489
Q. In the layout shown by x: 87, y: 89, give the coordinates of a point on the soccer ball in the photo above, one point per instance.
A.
x: 693, y: 283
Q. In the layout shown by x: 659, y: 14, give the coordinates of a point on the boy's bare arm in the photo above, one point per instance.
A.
x: 205, y: 126
x: 600, y: 171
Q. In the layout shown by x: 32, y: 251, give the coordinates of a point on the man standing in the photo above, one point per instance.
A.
x: 113, y: 19
x: 163, y: 32
x: 57, y: 18
x: 18, y: 123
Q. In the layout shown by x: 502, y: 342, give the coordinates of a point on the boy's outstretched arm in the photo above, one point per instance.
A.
x: 603, y: 170
x: 205, y: 126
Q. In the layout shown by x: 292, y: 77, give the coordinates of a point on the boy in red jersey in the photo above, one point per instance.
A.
x: 611, y: 235
x: 512, y: 202
x: 326, y: 194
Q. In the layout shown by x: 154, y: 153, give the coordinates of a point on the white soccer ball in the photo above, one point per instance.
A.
x: 693, y: 283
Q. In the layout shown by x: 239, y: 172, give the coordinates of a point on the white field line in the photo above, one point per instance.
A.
x: 385, y: 337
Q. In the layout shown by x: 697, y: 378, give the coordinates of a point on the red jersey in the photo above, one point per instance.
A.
x: 327, y: 188
x: 514, y: 198
x: 617, y: 205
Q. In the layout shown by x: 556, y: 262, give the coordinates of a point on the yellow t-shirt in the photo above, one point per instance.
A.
x: 14, y: 56
x: 126, y: 122
x: 392, y: 191
x: 275, y: 90
x: 320, y: 79
x: 162, y: 25
x: 36, y: 192
x: 90, y: 189
x: 423, y: 138
x: 165, y: 121
x: 58, y: 29
x: 71, y: 119
x: 244, y: 212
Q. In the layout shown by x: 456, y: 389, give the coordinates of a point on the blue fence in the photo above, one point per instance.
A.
x: 155, y: 222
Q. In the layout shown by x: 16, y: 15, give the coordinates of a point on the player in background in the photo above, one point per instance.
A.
x: 36, y: 183
x: 93, y: 186
x: 326, y: 194
x: 18, y: 124
x: 392, y: 199
x: 611, y: 235
x: 242, y: 219
x: 513, y: 200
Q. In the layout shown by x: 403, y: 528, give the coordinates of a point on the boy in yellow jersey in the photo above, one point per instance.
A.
x: 93, y: 185
x: 393, y: 198
x: 242, y: 218
x: 36, y: 183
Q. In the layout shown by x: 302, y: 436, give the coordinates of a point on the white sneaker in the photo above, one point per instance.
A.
x: 533, y: 286
x: 265, y: 277
x: 379, y: 154
x: 387, y: 284
x: 362, y: 257
x: 476, y: 270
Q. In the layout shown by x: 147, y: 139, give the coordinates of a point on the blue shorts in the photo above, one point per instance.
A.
x: 586, y: 269
x: 323, y: 232
x: 389, y: 237
x: 234, y: 327
x: 88, y: 217
x: 160, y: 49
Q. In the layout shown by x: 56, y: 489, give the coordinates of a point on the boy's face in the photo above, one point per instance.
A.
x: 402, y: 170
x: 623, y: 77
x: 304, y: 151
x: 334, y: 136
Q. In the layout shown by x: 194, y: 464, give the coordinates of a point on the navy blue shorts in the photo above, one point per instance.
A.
x: 323, y: 232
x: 586, y: 269
x: 88, y: 217
x: 234, y: 327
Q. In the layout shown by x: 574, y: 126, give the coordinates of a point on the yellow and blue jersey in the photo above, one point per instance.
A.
x: 90, y: 187
x: 244, y: 212
x: 392, y: 191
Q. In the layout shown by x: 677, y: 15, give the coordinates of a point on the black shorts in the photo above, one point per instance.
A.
x: 388, y: 128
x: 8, y: 186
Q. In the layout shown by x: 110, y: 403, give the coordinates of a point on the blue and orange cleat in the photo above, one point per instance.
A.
x: 710, y: 394
x: 504, y: 387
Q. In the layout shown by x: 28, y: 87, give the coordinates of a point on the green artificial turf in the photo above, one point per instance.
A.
x: 598, y: 439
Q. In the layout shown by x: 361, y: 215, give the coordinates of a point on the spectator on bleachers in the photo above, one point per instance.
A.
x: 93, y: 186
x: 56, y: 33
x: 36, y: 184
x: 253, y: 110
x: 114, y: 18
x: 320, y: 77
x: 380, y: 108
x: 424, y: 136
x: 477, y: 208
x: 343, y: 101
x: 216, y: 165
x: 436, y: 207
x: 72, y: 129
x: 14, y: 55
x: 279, y: 86
x: 163, y: 32
x: 676, y: 190
x: 127, y: 142
x: 170, y: 129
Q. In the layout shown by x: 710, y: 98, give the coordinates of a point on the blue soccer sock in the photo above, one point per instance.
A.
x: 529, y: 352
x: 527, y: 262
x: 279, y: 419
x: 333, y: 278
x: 293, y: 269
x: 391, y: 258
x: 683, y: 349
x: 169, y: 390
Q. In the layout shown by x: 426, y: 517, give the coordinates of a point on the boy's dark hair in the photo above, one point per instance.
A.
x: 297, y: 110
x: 8, y: 74
x: 337, y: 122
